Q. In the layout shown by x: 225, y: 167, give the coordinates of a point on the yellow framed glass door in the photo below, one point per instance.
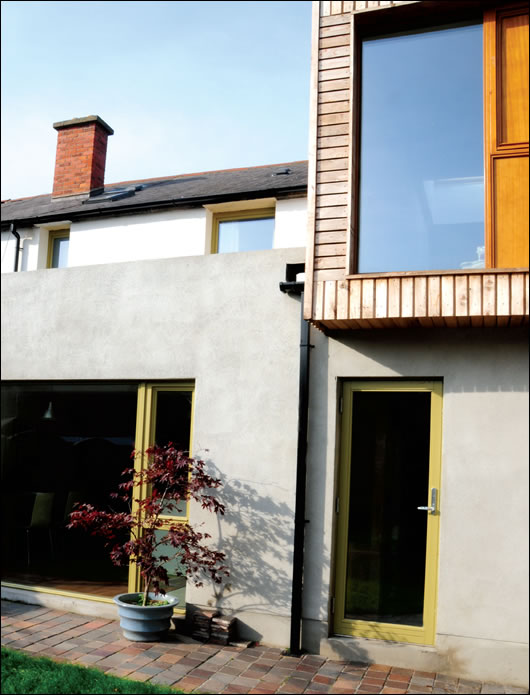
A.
x: 164, y: 414
x: 388, y: 510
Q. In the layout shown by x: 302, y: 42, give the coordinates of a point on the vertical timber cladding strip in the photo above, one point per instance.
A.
x: 319, y: 301
x: 407, y: 297
x: 394, y: 297
x: 433, y: 293
x: 343, y: 300
x: 367, y: 298
x: 517, y: 299
x: 309, y: 287
x: 420, y: 297
x: 355, y: 299
x: 333, y: 197
x: 330, y: 300
x: 448, y: 295
x: 489, y: 295
x: 461, y: 296
x: 503, y: 294
x: 381, y: 298
x: 475, y: 295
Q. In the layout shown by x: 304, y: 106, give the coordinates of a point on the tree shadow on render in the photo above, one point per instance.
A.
x: 256, y: 535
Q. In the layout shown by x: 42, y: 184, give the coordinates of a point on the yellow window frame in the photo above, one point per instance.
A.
x: 52, y: 237
x: 145, y: 437
x: 235, y: 216
x: 373, y: 629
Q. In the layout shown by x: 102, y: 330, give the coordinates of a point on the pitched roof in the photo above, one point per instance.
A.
x: 275, y: 180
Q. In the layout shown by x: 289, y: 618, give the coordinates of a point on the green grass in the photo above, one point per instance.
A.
x: 22, y: 673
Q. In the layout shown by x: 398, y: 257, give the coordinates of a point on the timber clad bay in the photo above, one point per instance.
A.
x: 340, y: 298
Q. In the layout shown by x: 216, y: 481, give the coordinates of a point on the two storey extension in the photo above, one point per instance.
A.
x: 417, y: 281
x: 419, y: 167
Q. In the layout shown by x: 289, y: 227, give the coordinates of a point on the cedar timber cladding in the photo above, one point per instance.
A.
x: 490, y: 297
x: 334, y: 298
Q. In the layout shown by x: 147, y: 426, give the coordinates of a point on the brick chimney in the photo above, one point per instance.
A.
x: 81, y: 155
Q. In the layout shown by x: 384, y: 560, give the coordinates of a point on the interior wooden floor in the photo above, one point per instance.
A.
x: 93, y: 588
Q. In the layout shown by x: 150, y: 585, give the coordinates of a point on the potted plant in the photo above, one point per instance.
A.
x: 142, y: 536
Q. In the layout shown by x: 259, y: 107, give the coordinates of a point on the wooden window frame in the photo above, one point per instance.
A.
x: 53, y: 235
x: 394, y: 20
x: 235, y: 216
x: 494, y: 147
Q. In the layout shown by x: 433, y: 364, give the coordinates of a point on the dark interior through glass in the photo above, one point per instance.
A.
x: 61, y: 444
x: 173, y: 424
x: 386, y: 532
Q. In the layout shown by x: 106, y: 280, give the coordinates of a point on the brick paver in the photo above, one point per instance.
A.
x: 207, y: 668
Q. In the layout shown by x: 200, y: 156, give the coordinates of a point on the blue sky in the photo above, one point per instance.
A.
x: 186, y: 86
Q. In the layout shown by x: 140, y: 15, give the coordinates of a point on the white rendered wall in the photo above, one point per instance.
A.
x: 166, y: 234
x: 29, y: 241
x: 290, y: 229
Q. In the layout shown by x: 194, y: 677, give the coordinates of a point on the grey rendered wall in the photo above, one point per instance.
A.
x: 222, y: 321
x: 482, y: 614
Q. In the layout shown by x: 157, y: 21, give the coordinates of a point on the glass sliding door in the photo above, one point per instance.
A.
x: 387, y: 545
x: 64, y: 443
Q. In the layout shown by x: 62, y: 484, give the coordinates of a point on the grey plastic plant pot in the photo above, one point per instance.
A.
x: 144, y: 623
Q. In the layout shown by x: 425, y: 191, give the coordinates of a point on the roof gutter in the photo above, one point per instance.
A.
x: 13, y: 230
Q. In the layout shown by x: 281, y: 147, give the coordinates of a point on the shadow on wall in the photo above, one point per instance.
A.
x: 471, y: 360
x: 256, y: 535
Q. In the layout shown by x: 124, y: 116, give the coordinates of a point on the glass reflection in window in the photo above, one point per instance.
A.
x: 245, y: 235
x: 421, y: 157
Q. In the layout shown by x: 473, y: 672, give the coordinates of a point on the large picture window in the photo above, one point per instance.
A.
x: 421, y: 179
x: 64, y: 443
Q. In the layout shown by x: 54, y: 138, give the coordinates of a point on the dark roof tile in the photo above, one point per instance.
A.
x: 186, y: 189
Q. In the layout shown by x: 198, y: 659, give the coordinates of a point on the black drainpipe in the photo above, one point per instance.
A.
x: 13, y: 230
x: 291, y: 286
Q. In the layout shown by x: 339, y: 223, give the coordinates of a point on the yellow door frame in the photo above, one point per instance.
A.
x: 145, y: 437
x: 373, y: 629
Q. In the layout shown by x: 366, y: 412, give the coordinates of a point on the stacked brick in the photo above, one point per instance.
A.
x: 201, y: 624
x: 222, y: 630
x: 213, y: 627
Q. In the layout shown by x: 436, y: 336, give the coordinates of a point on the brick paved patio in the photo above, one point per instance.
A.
x: 206, y: 668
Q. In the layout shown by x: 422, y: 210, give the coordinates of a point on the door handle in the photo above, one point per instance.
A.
x: 434, y: 498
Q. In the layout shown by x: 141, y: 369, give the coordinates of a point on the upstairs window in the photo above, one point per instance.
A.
x: 421, y: 178
x: 249, y: 230
x: 58, y: 242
